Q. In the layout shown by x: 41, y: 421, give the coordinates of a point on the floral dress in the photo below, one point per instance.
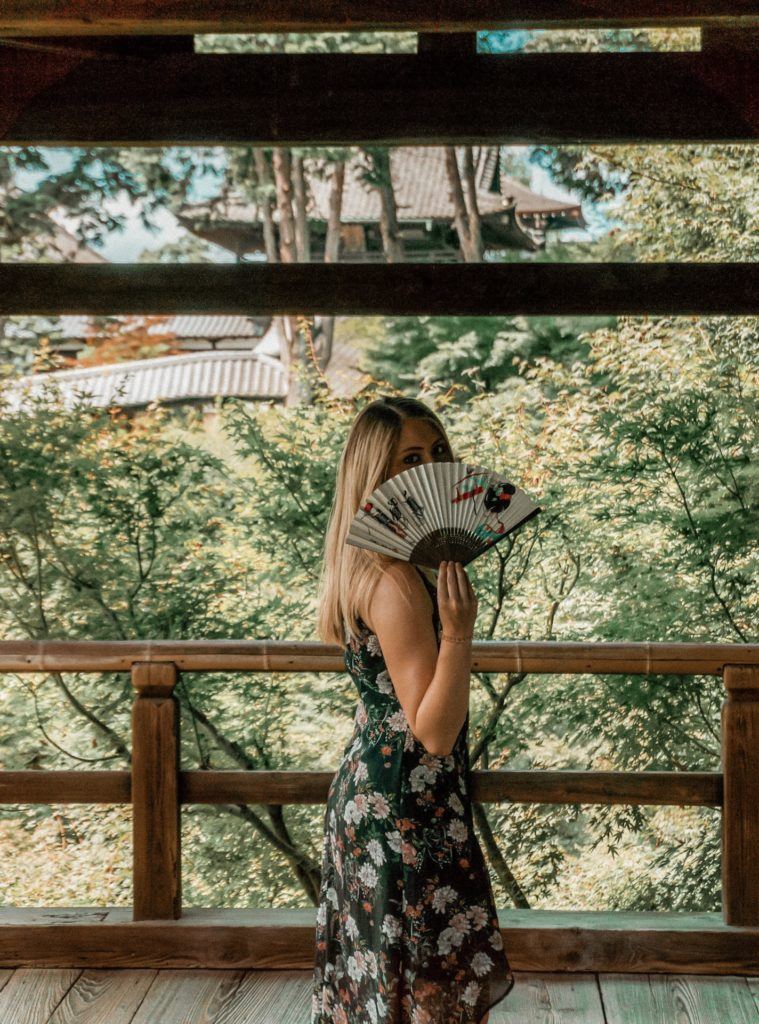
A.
x: 406, y: 928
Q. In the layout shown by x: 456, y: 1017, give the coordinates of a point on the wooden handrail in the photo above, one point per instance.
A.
x: 157, y: 786
x: 537, y: 656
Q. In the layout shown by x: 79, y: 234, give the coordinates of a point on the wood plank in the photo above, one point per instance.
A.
x: 702, y: 789
x: 283, y: 997
x: 390, y: 289
x: 253, y: 938
x: 565, y: 657
x: 640, y: 999
x: 70, y: 99
x: 271, y: 997
x: 130, y: 17
x: 740, y: 821
x: 156, y: 831
x: 34, y: 786
x: 554, y: 997
x: 32, y: 994
x: 189, y: 997
x: 104, y: 997
x: 533, y: 787
x: 753, y: 986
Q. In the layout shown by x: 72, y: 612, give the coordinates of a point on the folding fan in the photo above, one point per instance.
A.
x: 440, y: 511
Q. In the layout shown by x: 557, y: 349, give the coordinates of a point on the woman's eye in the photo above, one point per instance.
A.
x: 441, y: 453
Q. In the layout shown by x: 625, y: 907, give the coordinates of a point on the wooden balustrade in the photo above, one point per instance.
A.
x: 157, y: 786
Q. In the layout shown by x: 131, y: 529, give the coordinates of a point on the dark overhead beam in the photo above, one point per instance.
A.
x: 279, y: 99
x: 401, y: 289
x: 138, y: 17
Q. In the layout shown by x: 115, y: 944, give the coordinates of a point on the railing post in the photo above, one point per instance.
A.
x: 740, y: 812
x: 156, y: 830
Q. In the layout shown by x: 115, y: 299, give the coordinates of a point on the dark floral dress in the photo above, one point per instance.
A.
x: 406, y: 929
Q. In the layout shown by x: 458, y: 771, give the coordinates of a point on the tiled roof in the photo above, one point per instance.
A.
x: 197, y: 375
x: 421, y: 189
x: 180, y: 325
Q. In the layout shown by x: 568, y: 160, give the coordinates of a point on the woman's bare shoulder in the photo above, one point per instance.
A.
x: 400, y: 583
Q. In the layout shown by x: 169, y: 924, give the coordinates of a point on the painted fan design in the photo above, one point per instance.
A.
x: 439, y: 511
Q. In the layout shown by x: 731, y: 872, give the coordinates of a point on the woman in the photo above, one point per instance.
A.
x: 406, y: 929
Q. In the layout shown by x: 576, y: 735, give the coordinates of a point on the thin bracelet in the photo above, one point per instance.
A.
x: 457, y: 639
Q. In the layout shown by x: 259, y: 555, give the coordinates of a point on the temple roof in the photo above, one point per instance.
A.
x: 421, y: 189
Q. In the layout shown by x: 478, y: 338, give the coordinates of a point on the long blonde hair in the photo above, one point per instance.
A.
x: 350, y: 574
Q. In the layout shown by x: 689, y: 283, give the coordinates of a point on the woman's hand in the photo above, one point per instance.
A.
x: 457, y: 601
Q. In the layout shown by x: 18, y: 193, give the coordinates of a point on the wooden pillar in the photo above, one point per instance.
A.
x: 740, y: 812
x: 156, y: 832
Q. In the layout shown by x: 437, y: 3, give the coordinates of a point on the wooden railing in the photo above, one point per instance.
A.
x: 156, y: 786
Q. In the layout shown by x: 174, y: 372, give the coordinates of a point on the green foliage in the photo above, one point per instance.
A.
x: 473, y: 353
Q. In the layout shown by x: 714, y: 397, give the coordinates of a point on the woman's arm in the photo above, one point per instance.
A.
x: 432, y: 687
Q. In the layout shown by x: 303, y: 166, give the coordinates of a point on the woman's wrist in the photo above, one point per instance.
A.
x: 457, y: 639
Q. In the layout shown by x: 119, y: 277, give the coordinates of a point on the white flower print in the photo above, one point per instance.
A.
x: 455, y: 803
x: 443, y: 896
x: 470, y: 993
x: 397, y: 721
x: 384, y: 683
x: 394, y: 841
x: 448, y: 940
x: 332, y: 896
x: 368, y: 875
x: 458, y: 831
x: 460, y: 922
x: 371, y: 963
x: 478, y: 916
x: 379, y: 805
x: 481, y: 963
x: 420, y: 776
x: 375, y: 851
x: 362, y: 771
x: 354, y: 969
x: 496, y: 939
x: 391, y: 926
x: 353, y: 813
x: 351, y: 928
x: 373, y: 645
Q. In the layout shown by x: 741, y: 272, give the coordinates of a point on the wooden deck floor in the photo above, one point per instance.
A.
x: 51, y: 996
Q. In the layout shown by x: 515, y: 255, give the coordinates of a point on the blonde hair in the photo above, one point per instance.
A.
x: 350, y: 574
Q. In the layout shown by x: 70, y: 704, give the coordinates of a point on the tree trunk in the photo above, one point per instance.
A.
x: 283, y: 180
x: 475, y: 223
x: 391, y: 238
x: 265, y: 178
x: 332, y: 254
x: 460, y: 213
x: 302, y: 236
x: 332, y: 240
x: 287, y: 253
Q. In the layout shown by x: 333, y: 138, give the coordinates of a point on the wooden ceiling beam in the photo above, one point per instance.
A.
x: 161, y: 98
x: 400, y: 289
x: 148, y: 17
